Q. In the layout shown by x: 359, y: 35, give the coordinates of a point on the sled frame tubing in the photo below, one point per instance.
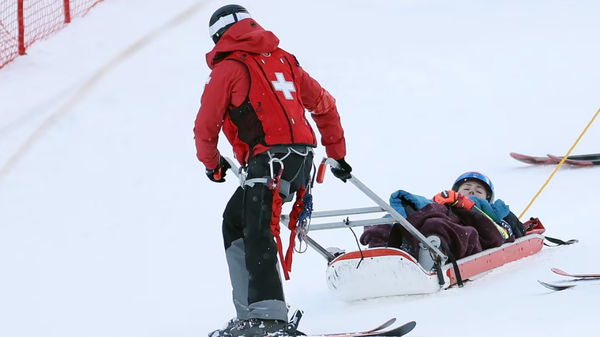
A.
x: 382, y: 207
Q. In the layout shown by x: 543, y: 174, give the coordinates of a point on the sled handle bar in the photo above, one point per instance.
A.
x: 384, y: 205
x: 233, y: 166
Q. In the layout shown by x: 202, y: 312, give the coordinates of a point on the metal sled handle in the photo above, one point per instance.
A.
x: 234, y: 166
x: 384, y: 205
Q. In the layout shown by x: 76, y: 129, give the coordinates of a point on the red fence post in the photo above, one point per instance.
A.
x: 21, y: 27
x: 67, y: 11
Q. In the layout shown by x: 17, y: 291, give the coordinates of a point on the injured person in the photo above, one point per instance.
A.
x: 460, y: 222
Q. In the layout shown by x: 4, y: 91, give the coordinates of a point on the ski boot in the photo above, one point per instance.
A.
x: 257, y: 327
x: 425, y: 258
x: 225, y: 330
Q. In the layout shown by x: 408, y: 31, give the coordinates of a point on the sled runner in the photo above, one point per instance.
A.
x: 378, y: 272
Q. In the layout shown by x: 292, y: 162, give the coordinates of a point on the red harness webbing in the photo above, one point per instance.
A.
x: 286, y: 262
x: 294, y: 216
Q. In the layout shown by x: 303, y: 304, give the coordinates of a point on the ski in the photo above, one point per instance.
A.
x: 575, y: 160
x: 533, y: 160
x: 591, y: 156
x: 579, y: 276
x: 377, y: 331
x: 393, y: 332
x: 573, y: 281
x: 557, y: 287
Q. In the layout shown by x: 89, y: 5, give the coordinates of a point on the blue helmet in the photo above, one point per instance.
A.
x: 475, y: 176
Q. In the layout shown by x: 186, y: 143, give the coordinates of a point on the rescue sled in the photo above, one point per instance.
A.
x: 379, y: 272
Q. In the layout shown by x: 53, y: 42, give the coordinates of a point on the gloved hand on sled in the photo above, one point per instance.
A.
x: 218, y: 173
x: 453, y: 198
x: 343, y: 172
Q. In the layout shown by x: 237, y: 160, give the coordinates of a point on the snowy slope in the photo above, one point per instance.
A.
x: 108, y: 226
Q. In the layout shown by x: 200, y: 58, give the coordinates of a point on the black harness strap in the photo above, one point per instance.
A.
x: 452, y: 259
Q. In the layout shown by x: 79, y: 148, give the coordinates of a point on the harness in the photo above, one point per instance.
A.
x: 285, y: 185
x: 301, y: 208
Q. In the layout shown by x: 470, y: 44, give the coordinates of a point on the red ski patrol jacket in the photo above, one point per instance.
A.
x: 257, y: 94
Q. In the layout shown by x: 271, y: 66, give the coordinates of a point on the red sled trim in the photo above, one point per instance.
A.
x: 496, y: 257
x: 374, y: 252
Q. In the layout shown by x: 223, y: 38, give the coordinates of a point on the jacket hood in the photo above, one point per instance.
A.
x: 245, y: 35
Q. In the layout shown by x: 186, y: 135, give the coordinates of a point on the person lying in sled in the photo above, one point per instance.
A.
x: 462, y: 221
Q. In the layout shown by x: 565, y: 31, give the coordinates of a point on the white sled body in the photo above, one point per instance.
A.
x: 380, y: 272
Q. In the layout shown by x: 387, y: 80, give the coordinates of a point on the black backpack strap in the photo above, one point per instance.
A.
x: 516, y: 225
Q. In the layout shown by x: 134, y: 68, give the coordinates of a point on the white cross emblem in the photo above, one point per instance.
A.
x: 284, y: 86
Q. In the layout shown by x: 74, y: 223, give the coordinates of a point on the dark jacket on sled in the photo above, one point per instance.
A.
x: 462, y: 232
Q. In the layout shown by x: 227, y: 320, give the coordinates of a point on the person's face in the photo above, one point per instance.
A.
x: 472, y: 187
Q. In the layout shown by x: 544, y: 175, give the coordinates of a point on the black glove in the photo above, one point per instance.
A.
x: 218, y: 173
x: 343, y: 172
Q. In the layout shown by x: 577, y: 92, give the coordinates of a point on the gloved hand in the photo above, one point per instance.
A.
x: 218, y: 173
x: 343, y: 172
x: 452, y: 198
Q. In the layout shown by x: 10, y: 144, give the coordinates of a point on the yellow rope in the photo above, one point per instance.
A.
x: 86, y: 87
x: 560, y: 164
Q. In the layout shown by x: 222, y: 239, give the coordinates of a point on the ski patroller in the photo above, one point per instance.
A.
x: 582, y: 160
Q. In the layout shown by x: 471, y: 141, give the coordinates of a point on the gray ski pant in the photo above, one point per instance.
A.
x: 250, y: 247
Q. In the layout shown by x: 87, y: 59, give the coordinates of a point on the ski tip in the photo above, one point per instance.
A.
x: 556, y: 287
x: 408, y: 327
x: 559, y: 271
x: 390, y: 322
x: 396, y: 332
x: 386, y: 324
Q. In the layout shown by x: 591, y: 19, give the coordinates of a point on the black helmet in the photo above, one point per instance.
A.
x: 225, y: 17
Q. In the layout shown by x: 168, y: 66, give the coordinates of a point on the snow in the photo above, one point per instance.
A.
x: 108, y: 226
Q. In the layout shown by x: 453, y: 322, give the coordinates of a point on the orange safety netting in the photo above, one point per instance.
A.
x: 23, y: 22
